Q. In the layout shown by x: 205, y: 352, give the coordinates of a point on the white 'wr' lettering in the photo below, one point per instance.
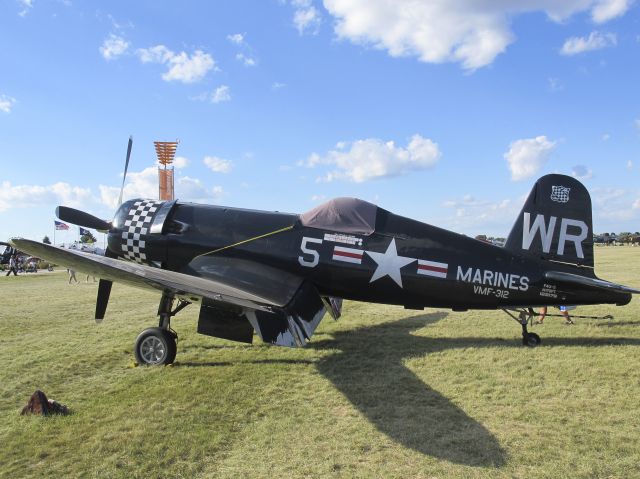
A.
x: 576, y: 239
x: 529, y: 232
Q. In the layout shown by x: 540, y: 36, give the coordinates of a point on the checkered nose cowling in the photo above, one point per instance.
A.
x: 136, y: 225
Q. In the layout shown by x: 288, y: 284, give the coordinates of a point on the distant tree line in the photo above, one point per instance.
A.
x: 626, y: 237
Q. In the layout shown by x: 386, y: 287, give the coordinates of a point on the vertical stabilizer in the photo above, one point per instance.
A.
x: 555, y: 222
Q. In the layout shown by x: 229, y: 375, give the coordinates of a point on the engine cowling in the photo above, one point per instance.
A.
x: 137, y: 231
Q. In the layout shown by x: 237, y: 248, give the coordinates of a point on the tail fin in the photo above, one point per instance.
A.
x: 555, y: 222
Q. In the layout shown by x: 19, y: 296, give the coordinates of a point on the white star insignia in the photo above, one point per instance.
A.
x: 389, y: 263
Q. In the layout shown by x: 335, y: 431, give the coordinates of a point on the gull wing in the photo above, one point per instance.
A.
x: 286, y: 318
x: 144, y: 276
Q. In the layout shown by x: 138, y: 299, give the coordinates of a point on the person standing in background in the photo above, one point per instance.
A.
x: 12, y: 266
x: 563, y: 309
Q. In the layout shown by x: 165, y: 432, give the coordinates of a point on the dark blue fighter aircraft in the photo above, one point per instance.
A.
x: 276, y: 274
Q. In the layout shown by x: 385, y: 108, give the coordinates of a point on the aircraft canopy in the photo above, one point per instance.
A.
x: 344, y: 215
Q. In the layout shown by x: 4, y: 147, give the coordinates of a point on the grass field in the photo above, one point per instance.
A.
x: 383, y: 392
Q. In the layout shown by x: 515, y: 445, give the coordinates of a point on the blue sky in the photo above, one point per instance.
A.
x: 446, y: 112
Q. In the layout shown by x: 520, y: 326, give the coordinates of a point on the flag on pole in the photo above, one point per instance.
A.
x: 60, y: 225
x: 84, y: 231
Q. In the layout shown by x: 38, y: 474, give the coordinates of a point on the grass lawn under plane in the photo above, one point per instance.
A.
x: 383, y: 392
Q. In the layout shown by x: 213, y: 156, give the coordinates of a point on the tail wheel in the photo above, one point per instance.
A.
x: 155, y: 346
x: 531, y: 340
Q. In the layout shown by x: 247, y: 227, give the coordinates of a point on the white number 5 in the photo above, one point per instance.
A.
x: 309, y: 263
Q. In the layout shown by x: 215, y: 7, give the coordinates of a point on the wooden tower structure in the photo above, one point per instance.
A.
x: 166, y: 151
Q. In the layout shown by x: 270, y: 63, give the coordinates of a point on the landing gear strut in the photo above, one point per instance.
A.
x: 525, y: 316
x: 155, y: 346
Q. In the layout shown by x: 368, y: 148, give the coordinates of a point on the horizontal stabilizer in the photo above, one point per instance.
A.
x: 589, y: 282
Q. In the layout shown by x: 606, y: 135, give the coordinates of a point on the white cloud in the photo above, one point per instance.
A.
x: 306, y: 17
x: 245, y: 58
x: 22, y: 196
x: 526, y: 157
x: 142, y: 184
x: 474, y: 216
x: 157, y: 54
x: 219, y: 165
x: 113, y: 47
x: 182, y: 66
x: 236, y: 38
x: 612, y: 204
x: 606, y: 10
x: 555, y: 84
x: 372, y: 158
x: 318, y: 198
x: 180, y: 162
x: 6, y: 103
x: 221, y: 94
x: 469, y: 32
x: 636, y: 204
x: 581, y: 172
x: 192, y: 189
x: 277, y: 85
x: 606, y: 137
x: 595, y: 41
x: 602, y: 196
x: 114, y: 23
x: 246, y: 61
x: 27, y: 6
x: 629, y: 165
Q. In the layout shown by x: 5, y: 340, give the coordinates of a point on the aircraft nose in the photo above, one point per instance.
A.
x: 135, y: 226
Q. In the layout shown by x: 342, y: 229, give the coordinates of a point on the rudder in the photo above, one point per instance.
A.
x: 555, y: 222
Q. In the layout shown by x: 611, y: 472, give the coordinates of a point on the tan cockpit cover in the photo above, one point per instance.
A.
x: 344, y: 215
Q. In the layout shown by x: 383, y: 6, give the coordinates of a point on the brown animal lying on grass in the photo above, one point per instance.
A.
x: 39, y: 404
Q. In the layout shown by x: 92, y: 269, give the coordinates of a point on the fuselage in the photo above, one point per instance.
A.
x: 401, y: 261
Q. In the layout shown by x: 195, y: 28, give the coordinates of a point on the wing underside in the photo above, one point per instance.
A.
x: 230, y: 309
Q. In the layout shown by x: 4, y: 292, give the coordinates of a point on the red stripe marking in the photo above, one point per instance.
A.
x: 350, y: 255
x: 433, y: 268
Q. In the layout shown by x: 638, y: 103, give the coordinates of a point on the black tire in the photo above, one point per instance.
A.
x: 155, y: 346
x: 531, y: 340
x: 172, y: 337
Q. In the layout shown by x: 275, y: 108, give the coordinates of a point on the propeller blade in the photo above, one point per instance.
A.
x: 126, y: 166
x: 104, y: 290
x: 81, y: 218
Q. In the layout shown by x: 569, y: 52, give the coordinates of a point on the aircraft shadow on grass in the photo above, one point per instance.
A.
x: 191, y: 364
x: 614, y: 324
x: 369, y: 370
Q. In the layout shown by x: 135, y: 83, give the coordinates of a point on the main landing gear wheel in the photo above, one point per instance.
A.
x: 531, y: 339
x: 155, y: 346
x: 524, y: 317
